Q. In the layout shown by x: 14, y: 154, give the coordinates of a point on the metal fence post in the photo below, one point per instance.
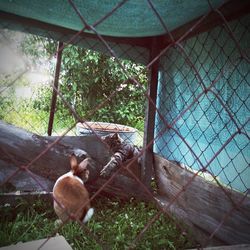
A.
x: 54, y: 95
x: 147, y: 164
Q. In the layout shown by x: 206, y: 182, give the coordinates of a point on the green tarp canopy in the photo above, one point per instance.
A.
x: 135, y: 18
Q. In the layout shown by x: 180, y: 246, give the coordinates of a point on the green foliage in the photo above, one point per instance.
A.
x: 5, y: 103
x: 30, y: 115
x: 24, y: 116
x: 38, y: 48
x: 87, y: 79
x: 116, y: 224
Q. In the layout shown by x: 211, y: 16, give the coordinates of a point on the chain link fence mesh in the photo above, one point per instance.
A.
x: 202, y: 110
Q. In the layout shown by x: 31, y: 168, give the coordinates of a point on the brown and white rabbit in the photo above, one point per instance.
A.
x: 70, y: 193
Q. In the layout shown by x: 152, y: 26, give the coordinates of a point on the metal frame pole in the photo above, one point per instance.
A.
x: 54, y: 95
x: 147, y: 162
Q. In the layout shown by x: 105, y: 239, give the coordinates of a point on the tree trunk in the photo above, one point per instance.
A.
x: 21, y: 148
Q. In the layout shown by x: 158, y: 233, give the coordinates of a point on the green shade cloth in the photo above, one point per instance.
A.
x: 135, y: 18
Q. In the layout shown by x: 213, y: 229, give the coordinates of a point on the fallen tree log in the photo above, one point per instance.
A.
x: 207, y: 208
x: 19, y: 147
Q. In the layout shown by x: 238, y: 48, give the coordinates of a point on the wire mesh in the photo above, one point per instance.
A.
x: 201, y: 124
x: 214, y: 104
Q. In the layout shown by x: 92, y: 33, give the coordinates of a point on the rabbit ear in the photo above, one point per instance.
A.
x: 73, y: 162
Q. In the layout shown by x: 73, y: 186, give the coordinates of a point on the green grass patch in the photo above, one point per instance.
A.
x: 116, y: 224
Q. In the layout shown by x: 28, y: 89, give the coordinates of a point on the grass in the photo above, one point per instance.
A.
x: 116, y: 224
x: 36, y: 121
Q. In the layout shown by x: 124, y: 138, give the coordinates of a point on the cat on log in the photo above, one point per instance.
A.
x: 121, y: 152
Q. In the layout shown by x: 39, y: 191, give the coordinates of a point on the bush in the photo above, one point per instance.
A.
x: 87, y: 78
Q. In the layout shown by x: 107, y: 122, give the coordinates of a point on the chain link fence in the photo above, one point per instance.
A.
x: 196, y: 125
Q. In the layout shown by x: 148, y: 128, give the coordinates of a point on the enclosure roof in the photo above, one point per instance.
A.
x: 133, y: 18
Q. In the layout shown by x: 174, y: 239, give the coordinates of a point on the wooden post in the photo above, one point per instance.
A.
x: 54, y: 95
x: 147, y: 162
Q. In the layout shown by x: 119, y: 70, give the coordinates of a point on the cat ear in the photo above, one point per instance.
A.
x: 73, y: 162
x: 115, y: 136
